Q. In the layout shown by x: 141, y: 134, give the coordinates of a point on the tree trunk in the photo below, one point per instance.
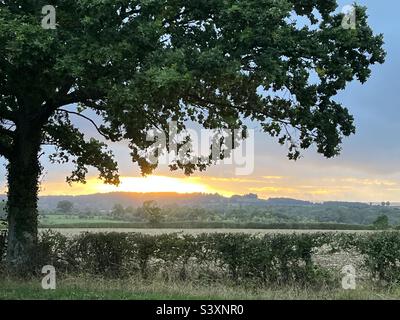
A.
x: 23, y: 174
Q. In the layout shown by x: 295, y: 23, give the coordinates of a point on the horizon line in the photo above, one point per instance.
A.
x: 206, y: 193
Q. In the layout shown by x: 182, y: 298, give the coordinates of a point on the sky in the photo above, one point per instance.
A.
x: 367, y: 169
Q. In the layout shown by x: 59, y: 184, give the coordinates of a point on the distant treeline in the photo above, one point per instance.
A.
x: 341, y: 213
x: 105, y: 202
x: 337, y: 215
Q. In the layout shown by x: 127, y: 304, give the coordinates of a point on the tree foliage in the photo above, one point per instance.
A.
x: 381, y: 222
x: 141, y: 64
x: 65, y: 206
x: 152, y: 212
x: 128, y: 66
x: 118, y: 211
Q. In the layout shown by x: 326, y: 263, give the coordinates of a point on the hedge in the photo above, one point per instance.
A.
x: 264, y: 259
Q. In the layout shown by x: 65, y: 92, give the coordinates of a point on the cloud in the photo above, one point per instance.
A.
x: 273, y: 177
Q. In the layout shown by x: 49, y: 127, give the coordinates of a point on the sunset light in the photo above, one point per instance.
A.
x: 155, y: 184
x: 267, y: 131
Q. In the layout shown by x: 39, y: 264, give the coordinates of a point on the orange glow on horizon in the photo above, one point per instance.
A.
x: 156, y: 184
x: 316, y: 189
x: 130, y: 184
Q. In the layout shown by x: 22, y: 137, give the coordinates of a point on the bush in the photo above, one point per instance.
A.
x: 381, y: 255
x: 53, y: 249
x: 381, y: 223
x: 380, y: 252
x: 143, y: 248
x: 278, y: 259
x: 49, y: 250
x: 101, y: 253
x: 3, y: 239
x: 271, y: 259
x: 175, y: 251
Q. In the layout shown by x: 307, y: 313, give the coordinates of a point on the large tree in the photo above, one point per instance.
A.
x: 141, y: 64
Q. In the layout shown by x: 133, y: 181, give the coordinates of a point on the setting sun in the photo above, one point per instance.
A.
x: 155, y: 184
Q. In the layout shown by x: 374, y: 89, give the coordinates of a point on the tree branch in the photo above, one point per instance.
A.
x: 242, y: 109
x: 62, y: 98
x: 8, y: 115
x: 78, y: 96
x: 7, y: 132
x: 5, y: 150
x: 88, y: 119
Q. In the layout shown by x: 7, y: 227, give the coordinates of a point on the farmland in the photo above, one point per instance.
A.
x: 245, y: 264
x: 211, y: 264
x: 63, y: 219
x: 194, y: 231
x: 199, y: 150
x: 192, y: 253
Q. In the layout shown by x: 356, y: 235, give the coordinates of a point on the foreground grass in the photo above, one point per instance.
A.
x: 131, y: 289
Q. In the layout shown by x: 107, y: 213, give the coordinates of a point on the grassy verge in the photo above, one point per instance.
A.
x: 82, y: 288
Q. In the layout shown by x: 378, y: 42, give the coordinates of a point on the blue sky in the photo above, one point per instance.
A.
x: 367, y: 169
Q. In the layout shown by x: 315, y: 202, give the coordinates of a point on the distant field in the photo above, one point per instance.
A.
x: 101, y: 222
x: 155, y: 231
x: 73, y: 219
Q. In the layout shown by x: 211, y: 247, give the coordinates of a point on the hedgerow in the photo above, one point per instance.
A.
x: 271, y: 259
x: 380, y: 251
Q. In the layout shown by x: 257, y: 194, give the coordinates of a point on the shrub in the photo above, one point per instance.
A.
x: 53, y: 249
x: 3, y: 239
x: 271, y: 259
x: 280, y: 259
x: 176, y: 251
x: 233, y: 251
x: 101, y: 253
x: 143, y: 248
x: 49, y: 250
x: 289, y: 258
x: 381, y: 222
x: 381, y: 252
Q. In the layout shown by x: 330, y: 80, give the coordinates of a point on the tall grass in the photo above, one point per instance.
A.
x: 82, y: 287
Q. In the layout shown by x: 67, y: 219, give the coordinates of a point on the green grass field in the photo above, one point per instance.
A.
x: 74, y: 221
x: 54, y: 219
x: 132, y: 289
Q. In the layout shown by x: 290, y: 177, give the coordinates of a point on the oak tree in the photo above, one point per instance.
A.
x: 139, y: 64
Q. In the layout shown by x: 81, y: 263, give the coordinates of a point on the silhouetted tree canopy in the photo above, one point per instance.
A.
x: 142, y: 64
